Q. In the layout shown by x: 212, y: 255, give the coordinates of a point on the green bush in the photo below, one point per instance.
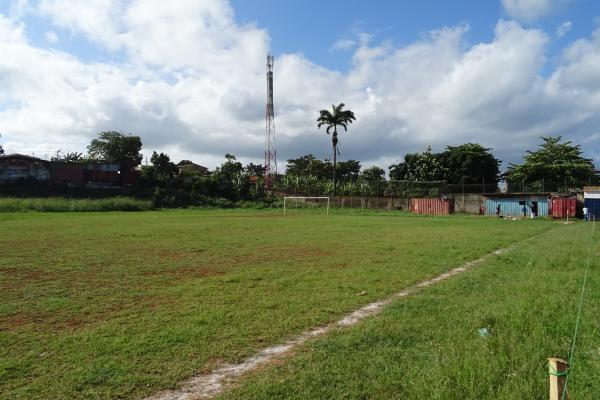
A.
x: 61, y: 204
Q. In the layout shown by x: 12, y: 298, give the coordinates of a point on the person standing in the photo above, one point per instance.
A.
x: 524, y: 211
x: 498, y: 211
x: 586, y: 214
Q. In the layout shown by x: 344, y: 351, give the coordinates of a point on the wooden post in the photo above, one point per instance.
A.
x: 556, y: 369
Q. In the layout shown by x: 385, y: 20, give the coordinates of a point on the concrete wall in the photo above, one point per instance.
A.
x: 468, y: 203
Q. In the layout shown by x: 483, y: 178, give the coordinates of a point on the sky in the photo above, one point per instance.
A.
x: 189, y: 76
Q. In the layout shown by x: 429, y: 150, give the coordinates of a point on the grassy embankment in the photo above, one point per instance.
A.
x: 120, y: 305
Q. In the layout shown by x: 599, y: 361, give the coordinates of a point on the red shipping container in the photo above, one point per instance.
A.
x: 561, y: 207
x: 432, y: 206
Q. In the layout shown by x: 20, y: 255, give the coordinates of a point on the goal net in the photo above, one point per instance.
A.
x: 296, y: 203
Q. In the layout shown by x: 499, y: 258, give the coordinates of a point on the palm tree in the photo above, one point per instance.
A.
x: 332, y: 119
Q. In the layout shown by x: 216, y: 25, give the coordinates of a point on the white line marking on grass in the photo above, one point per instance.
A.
x: 210, y: 385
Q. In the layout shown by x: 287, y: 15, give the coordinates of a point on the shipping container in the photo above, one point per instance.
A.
x: 432, y: 206
x: 512, y: 206
x: 563, y: 207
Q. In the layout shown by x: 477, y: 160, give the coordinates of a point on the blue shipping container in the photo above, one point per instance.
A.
x: 512, y: 206
x: 593, y: 206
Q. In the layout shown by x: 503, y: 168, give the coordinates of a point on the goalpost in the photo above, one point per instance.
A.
x: 302, y: 200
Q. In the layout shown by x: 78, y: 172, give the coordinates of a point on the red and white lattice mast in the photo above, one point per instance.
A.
x: 270, y: 151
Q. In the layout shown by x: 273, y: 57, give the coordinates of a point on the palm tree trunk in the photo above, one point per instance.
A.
x: 334, y: 140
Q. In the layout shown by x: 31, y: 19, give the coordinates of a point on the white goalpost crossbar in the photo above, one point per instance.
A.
x: 303, y: 198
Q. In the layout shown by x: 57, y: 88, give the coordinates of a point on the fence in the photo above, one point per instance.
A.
x: 311, y: 186
x: 542, y: 186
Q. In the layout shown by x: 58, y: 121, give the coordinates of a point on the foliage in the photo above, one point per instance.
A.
x: 61, y: 204
x: 426, y: 166
x: 373, y: 174
x: 1, y: 149
x: 70, y: 157
x: 313, y: 186
x: 309, y: 165
x: 554, y: 161
x: 469, y: 163
x: 116, y: 147
x: 255, y: 170
x: 332, y: 119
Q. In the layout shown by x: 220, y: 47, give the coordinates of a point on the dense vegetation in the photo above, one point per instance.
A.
x: 56, y: 204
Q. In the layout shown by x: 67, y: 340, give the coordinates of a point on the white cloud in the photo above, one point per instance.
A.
x: 343, y: 44
x: 97, y: 19
x: 192, y: 83
x: 563, y: 29
x: 530, y: 10
x: 19, y: 8
x: 51, y: 37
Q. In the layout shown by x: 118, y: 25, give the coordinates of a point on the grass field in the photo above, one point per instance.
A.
x: 121, y: 305
x: 428, y: 346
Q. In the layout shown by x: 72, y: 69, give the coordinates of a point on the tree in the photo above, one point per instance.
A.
x: 337, y: 117
x: 309, y: 165
x: 70, y: 157
x: 373, y: 174
x: 470, y: 163
x: 164, y: 169
x: 426, y: 166
x: 117, y: 148
x: 348, y: 171
x: 556, y: 162
x: 255, y: 170
x: 1, y: 149
x: 300, y: 166
x: 229, y: 178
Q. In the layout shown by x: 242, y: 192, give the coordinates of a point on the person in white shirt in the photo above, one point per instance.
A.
x: 586, y: 214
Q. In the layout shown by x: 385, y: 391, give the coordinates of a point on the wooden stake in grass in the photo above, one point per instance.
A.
x: 557, y: 369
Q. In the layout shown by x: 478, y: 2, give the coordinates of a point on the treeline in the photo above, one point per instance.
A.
x: 423, y: 174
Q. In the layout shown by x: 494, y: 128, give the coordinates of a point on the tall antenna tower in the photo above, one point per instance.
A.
x: 270, y: 151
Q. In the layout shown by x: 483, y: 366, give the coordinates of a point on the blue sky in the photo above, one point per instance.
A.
x: 188, y: 76
x: 310, y: 26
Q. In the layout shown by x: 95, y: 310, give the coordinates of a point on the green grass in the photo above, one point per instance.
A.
x: 61, y: 204
x: 428, y: 346
x: 120, y: 305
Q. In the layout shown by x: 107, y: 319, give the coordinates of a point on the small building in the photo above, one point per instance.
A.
x: 19, y: 167
x: 591, y: 200
x: 511, y: 204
